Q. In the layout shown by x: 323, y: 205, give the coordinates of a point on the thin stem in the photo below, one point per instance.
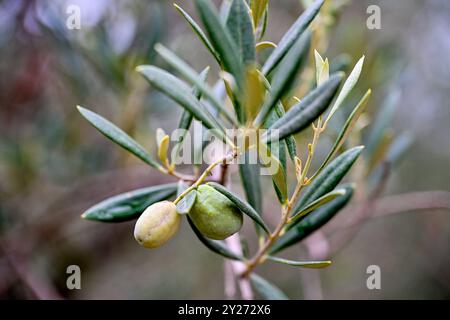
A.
x: 204, y: 175
x: 260, y: 255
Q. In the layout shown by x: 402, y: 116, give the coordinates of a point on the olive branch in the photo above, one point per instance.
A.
x: 262, y: 85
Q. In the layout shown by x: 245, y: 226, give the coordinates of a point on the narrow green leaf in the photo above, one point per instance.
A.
x: 319, y: 63
x: 180, y: 93
x: 258, y: 8
x: 278, y: 152
x: 340, y: 63
x: 130, y: 205
x: 117, y: 135
x: 276, y: 168
x: 347, y: 88
x: 221, y: 40
x: 215, y: 246
x: 301, y: 264
x: 262, y: 30
x: 317, y: 203
x: 185, y: 204
x: 312, y: 222
x: 266, y: 289
x: 193, y: 78
x: 240, y: 25
x: 329, y: 178
x: 254, y: 93
x: 250, y: 178
x: 274, y: 116
x: 185, y: 123
x: 235, y: 97
x: 246, y: 208
x: 224, y: 10
x: 291, y: 36
x: 284, y: 77
x: 301, y: 115
x: 322, y: 69
x: 348, y: 126
x: 324, y: 73
x: 291, y: 147
x: 199, y: 33
x: 187, y: 117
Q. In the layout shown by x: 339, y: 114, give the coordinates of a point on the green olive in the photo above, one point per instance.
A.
x: 214, y: 214
x: 157, y: 224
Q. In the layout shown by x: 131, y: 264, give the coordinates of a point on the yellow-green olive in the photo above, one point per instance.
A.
x: 157, y: 224
x: 214, y: 214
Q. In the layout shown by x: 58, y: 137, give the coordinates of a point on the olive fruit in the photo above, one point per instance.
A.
x: 214, y: 215
x: 157, y: 224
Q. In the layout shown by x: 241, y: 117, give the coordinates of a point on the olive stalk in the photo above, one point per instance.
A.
x: 205, y: 174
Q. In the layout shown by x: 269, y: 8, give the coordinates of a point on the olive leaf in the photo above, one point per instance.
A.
x: 291, y: 36
x: 324, y: 73
x: 319, y: 64
x: 163, y: 147
x: 180, y: 92
x: 301, y: 264
x: 187, y: 117
x: 254, y: 93
x: 329, y: 178
x: 301, y: 115
x: 129, y: 205
x: 221, y: 40
x: 284, y: 77
x: 258, y: 8
x: 291, y: 147
x: 250, y: 178
x: 199, y: 32
x: 317, y: 203
x: 213, y: 245
x: 275, y: 169
x: 117, y: 135
x: 348, y: 126
x: 322, y: 68
x: 340, y: 63
x: 347, y: 88
x: 266, y: 289
x: 185, y: 204
x: 262, y: 29
x: 276, y: 155
x: 193, y: 78
x: 312, y: 222
x: 277, y: 113
x: 239, y: 23
x: 246, y: 208
x: 231, y: 89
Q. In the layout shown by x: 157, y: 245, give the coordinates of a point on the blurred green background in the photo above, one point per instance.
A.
x: 53, y: 165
